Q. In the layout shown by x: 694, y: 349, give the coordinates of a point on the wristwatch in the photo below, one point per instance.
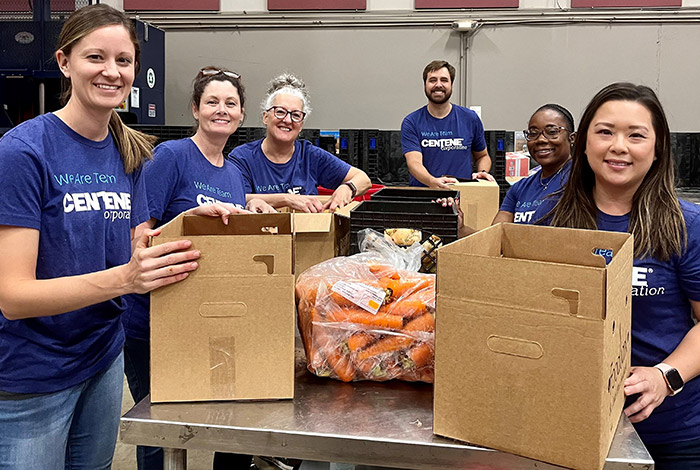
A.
x: 673, y: 379
x: 352, y: 187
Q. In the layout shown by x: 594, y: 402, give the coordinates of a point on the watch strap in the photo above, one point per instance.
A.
x: 665, y: 371
x: 352, y: 187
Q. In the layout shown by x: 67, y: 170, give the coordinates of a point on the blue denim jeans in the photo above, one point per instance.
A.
x: 676, y: 456
x: 137, y: 360
x: 75, y: 428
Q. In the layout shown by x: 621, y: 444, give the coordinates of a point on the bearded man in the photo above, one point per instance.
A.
x: 441, y: 141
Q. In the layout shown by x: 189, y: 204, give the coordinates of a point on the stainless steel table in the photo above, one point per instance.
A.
x: 382, y: 424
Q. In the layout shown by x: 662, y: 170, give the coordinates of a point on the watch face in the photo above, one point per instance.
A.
x: 674, y: 379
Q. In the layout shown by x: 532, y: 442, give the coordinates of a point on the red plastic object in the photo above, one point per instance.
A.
x: 365, y: 197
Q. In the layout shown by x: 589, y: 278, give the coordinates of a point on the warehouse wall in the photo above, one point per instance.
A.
x: 572, y: 63
x: 357, y: 78
x: 370, y: 77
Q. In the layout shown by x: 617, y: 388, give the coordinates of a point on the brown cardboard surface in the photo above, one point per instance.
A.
x: 219, y: 334
x: 533, y: 341
x: 478, y: 201
x: 320, y: 236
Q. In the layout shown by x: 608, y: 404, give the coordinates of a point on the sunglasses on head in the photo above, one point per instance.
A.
x: 210, y: 72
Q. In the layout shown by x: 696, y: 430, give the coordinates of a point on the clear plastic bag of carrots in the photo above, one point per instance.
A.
x: 362, y: 319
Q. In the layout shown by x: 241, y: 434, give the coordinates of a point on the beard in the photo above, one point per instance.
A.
x: 446, y: 96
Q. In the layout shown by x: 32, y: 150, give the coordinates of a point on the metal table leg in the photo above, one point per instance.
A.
x: 174, y: 459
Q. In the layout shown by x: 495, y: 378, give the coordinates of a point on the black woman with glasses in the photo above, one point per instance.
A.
x: 185, y: 174
x: 549, y: 135
x: 284, y: 171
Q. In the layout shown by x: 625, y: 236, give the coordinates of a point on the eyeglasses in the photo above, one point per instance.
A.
x: 280, y: 113
x: 209, y: 72
x: 549, y: 132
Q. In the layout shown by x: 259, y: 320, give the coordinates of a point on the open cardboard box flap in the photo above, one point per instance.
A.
x: 575, y: 282
x: 250, y: 250
x: 540, y: 243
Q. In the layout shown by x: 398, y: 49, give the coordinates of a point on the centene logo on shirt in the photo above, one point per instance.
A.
x: 115, y: 205
x: 203, y: 200
x: 640, y: 284
x: 523, y: 217
x: 443, y: 144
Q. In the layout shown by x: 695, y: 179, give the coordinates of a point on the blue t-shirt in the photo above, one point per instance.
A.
x: 525, y: 196
x: 177, y: 179
x: 446, y: 144
x: 309, y: 167
x: 661, y: 317
x: 75, y: 192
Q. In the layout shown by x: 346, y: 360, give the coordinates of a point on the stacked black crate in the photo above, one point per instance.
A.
x: 312, y: 135
x: 328, y: 143
x: 497, y: 143
x: 685, y: 147
x: 393, y: 170
x: 369, y: 157
x: 349, y: 146
x: 250, y: 134
x: 242, y: 136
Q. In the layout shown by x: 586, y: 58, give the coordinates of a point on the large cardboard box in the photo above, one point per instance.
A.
x: 320, y: 236
x: 227, y: 331
x: 479, y: 201
x: 533, y: 341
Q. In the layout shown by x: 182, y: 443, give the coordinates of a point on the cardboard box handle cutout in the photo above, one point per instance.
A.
x: 267, y: 260
x: 222, y: 309
x: 514, y: 347
x: 571, y: 296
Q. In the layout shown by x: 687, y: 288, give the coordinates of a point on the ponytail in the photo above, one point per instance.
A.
x: 134, y: 146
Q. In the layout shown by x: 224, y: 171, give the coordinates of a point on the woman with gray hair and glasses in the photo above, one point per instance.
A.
x: 284, y: 171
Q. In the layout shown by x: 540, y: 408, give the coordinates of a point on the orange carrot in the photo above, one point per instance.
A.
x: 427, y: 295
x: 419, y: 356
x: 376, y: 369
x: 354, y: 315
x: 341, y: 364
x: 328, y: 347
x: 313, y: 355
x: 408, y: 307
x: 381, y: 270
x: 401, y: 287
x: 423, y: 323
x: 387, y: 344
x: 428, y: 375
x: 370, y: 368
x: 360, y: 340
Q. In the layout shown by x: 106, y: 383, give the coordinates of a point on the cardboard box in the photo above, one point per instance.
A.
x: 533, y: 341
x: 227, y: 331
x: 479, y: 202
x: 517, y: 164
x: 320, y: 236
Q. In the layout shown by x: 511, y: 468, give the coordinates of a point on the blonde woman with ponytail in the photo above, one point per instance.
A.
x: 72, y: 194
